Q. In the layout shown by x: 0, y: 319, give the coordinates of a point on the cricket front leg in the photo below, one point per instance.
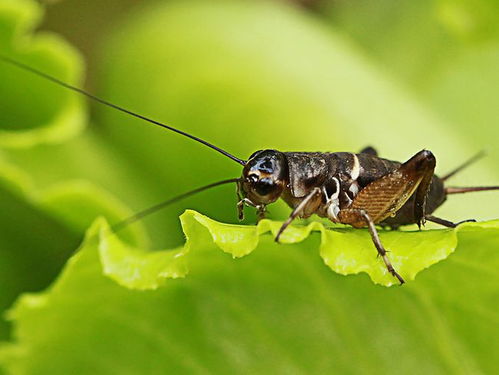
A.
x: 297, y: 211
x: 260, y: 209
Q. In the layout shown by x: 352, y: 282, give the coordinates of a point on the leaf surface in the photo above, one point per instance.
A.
x: 277, y: 308
x: 35, y: 111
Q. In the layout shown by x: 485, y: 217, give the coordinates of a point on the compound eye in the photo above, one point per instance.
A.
x: 265, y: 186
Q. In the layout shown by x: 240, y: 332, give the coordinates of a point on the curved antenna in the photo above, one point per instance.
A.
x: 140, y: 215
x: 467, y: 163
x: 109, y: 104
x: 148, y: 211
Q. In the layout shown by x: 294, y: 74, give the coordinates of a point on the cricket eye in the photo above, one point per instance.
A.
x: 265, y: 186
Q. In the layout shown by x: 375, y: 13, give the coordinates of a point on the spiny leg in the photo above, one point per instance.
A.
x: 386, y: 195
x: 379, y: 246
x: 298, y: 209
x: 362, y: 215
x: 447, y: 223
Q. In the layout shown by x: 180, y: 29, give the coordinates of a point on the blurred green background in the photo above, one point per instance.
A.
x: 320, y: 75
x: 245, y: 75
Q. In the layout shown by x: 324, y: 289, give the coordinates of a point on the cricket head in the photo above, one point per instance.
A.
x: 265, y: 176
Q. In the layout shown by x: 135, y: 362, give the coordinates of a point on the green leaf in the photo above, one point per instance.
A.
x: 345, y: 250
x: 278, y: 308
x: 34, y: 110
x: 245, y: 75
x: 40, y: 229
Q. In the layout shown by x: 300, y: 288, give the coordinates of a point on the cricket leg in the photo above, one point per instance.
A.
x: 447, y: 223
x: 297, y: 211
x: 260, y: 212
x: 385, y: 196
x: 362, y: 215
x: 260, y: 209
x: 380, y: 247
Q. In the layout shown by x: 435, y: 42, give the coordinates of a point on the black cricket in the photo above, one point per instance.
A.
x: 358, y: 189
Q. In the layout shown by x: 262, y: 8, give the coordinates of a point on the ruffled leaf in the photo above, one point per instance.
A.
x: 346, y: 251
x: 277, y: 308
x: 36, y: 111
x: 40, y: 229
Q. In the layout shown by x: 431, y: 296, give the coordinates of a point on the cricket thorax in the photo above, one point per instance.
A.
x: 339, y: 176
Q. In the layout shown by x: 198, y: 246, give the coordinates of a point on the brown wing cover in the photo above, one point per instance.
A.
x: 405, y: 215
x: 385, y: 196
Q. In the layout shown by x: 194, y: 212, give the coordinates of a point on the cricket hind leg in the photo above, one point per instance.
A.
x: 447, y: 223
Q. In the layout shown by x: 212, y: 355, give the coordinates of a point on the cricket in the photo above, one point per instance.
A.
x: 361, y: 189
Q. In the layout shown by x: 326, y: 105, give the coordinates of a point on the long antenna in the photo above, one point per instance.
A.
x: 105, y: 102
x: 468, y: 162
x: 148, y: 211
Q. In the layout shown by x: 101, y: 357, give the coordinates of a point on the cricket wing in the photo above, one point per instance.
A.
x: 383, y: 197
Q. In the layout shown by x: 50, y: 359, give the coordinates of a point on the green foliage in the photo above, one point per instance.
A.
x: 43, y: 113
x: 245, y: 75
x: 40, y: 227
x: 279, y: 308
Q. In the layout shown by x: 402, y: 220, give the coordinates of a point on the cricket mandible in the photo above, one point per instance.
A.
x: 358, y: 189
